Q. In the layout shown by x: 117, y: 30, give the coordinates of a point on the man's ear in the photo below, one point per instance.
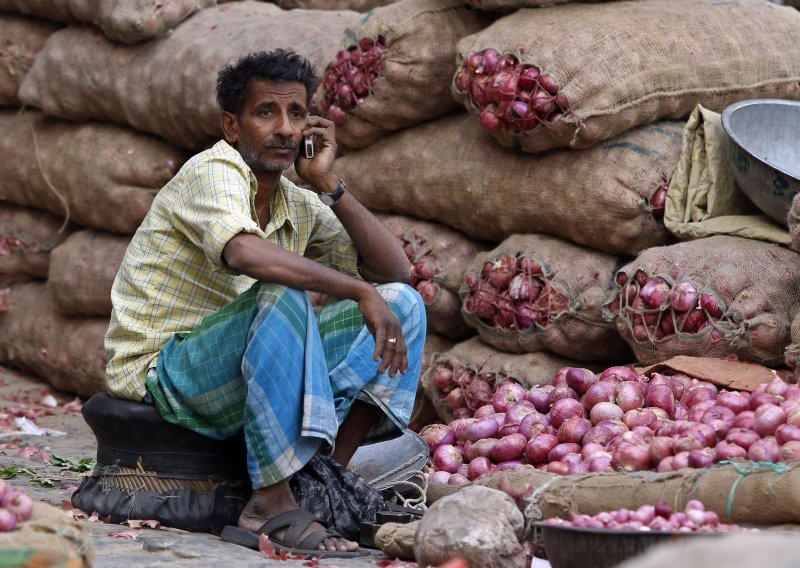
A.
x: 230, y: 127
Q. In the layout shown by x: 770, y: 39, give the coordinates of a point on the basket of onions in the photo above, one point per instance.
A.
x: 15, y: 507
x: 609, y: 538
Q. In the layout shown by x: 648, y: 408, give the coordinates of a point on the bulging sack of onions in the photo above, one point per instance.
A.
x: 395, y: 68
x: 578, y: 74
x: 508, y: 5
x: 792, y: 353
x: 439, y: 257
x: 45, y: 165
x: 535, y: 292
x: 355, y: 5
x: 82, y: 271
x: 712, y: 297
x: 127, y: 21
x: 794, y: 222
x: 70, y: 77
x: 610, y: 197
x: 65, y: 352
x: 20, y: 40
x: 466, y: 377
x: 26, y: 238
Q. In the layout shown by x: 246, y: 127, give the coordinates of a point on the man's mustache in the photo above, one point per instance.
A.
x: 282, y: 144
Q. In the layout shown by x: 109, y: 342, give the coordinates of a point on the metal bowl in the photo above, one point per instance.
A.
x: 764, y: 152
x: 576, y: 547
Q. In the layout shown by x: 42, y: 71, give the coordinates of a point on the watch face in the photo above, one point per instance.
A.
x: 327, y: 199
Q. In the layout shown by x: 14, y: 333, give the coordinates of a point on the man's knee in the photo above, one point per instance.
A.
x: 405, y: 297
x: 273, y: 294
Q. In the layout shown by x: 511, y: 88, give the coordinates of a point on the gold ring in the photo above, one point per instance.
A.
x: 392, y: 340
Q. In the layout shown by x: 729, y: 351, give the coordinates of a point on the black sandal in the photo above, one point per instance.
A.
x: 295, y: 522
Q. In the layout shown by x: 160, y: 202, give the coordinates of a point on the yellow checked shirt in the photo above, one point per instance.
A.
x: 173, y: 273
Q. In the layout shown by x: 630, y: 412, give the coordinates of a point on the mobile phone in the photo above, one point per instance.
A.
x: 308, y: 145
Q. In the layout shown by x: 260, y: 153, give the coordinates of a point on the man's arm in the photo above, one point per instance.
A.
x: 250, y: 255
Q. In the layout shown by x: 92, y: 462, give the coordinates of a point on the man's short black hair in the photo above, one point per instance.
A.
x: 278, y: 65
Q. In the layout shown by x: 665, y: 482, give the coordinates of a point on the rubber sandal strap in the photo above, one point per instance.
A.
x: 295, y: 521
x: 312, y: 541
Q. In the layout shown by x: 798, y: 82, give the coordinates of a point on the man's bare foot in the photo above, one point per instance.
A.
x: 267, y: 503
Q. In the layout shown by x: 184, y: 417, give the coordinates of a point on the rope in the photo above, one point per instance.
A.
x: 47, y: 181
x: 757, y: 467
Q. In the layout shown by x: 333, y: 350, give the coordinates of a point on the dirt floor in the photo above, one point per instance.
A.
x: 115, y: 545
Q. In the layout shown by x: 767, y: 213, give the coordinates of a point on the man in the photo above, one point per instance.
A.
x: 211, y: 317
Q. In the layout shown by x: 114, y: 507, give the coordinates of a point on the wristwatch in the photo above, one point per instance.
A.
x: 331, y: 199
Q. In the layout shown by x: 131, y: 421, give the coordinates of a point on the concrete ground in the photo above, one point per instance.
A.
x: 21, y: 394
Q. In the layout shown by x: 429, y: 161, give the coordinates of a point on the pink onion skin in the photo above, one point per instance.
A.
x: 639, y: 417
x: 719, y: 418
x: 660, y: 396
x: 666, y: 464
x: 557, y: 467
x: 742, y: 437
x: 441, y: 477
x: 764, y: 450
x: 725, y: 451
x: 680, y: 461
x: 701, y: 458
x: 508, y: 429
x: 579, y: 379
x: 605, y: 411
x: 745, y: 419
x: 681, y: 411
x: 793, y: 417
x: 660, y: 447
x: 616, y: 426
x: 698, y: 394
x: 507, y: 395
x: 483, y: 428
x: 499, y: 417
x: 436, y: 435
x: 481, y: 448
x: 560, y: 380
x: 643, y: 432
x: 517, y: 412
x: 561, y: 450
x: 777, y: 387
x: 478, y: 467
x: 601, y: 435
x: 590, y: 448
x: 790, y: 451
x: 630, y: 395
x: 603, y: 391
x: 631, y: 457
x: 447, y: 458
x: 563, y: 409
x: 484, y: 411
x: 578, y: 468
x: 509, y: 448
x: 540, y: 447
x: 562, y: 392
x: 619, y: 373
x: 759, y: 399
x: 600, y: 464
x: 573, y: 430
x: 787, y: 433
x: 767, y: 419
x: 533, y: 424
x: 736, y: 401
x: 540, y: 397
x: 683, y: 297
x: 458, y: 479
x: 8, y: 521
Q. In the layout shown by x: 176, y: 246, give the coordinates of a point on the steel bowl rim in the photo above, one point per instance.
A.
x: 726, y: 117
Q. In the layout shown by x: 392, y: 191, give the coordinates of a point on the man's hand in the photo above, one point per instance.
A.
x: 318, y: 171
x: 390, y: 345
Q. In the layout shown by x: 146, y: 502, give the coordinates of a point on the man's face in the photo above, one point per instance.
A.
x: 270, y: 128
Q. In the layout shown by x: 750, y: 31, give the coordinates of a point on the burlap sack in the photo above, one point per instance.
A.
x: 794, y: 222
x: 473, y: 360
x: 703, y: 198
x: 49, y: 538
x: 792, y: 354
x: 449, y: 171
x: 26, y: 238
x: 450, y: 252
x: 739, y: 492
x: 82, y: 271
x: 396, y: 540
x: 128, y: 21
x: 419, y: 61
x: 65, y: 352
x: 20, y: 40
x: 70, y: 78
x: 99, y: 175
x: 743, y: 550
x: 623, y: 64
x: 575, y: 282
x: 355, y: 5
x: 756, y: 284
x: 508, y: 5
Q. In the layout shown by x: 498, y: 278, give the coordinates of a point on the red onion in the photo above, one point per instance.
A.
x: 481, y: 448
x: 436, y: 435
x: 511, y: 447
x: 20, y: 505
x: 787, y: 433
x: 479, y: 466
x: 789, y: 405
x: 680, y: 461
x: 540, y: 447
x: 572, y: 430
x: 516, y: 413
x: 745, y: 419
x: 759, y: 399
x: 688, y: 443
x: 660, y: 448
x: 790, y: 452
x: 457, y: 479
x: 439, y: 477
x: 660, y: 396
x: 589, y: 448
x: 698, y: 394
x: 443, y: 378
x: 563, y: 409
x: 561, y: 450
x: 719, y: 418
x: 578, y: 468
x: 459, y: 427
x: 725, y: 451
x: 643, y: 432
x: 527, y: 427
x: 603, y: 391
x: 600, y: 464
x: 447, y: 458
x: 701, y: 458
x: 507, y: 395
x: 655, y: 293
x: 630, y: 395
x: 736, y: 401
x: 540, y: 397
x: 764, y: 450
x: 484, y: 411
x: 683, y: 297
x: 580, y: 379
x: 507, y: 429
x: 605, y: 411
x: 618, y: 374
x: 767, y: 419
x: 742, y: 437
x: 8, y: 522
x: 513, y: 465
x: 478, y: 393
x: 557, y: 467
x: 561, y: 392
x: 618, y: 427
x: 639, y: 417
x: 483, y: 428
x: 630, y: 457
x: 454, y: 399
x: 777, y: 387
x: 463, y: 469
x: 681, y: 411
x: 666, y: 464
x: 793, y: 417
x: 599, y: 435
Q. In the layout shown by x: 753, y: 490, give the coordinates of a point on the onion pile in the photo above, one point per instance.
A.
x: 514, y: 293
x: 613, y: 421
x: 659, y: 517
x: 654, y: 309
x: 462, y: 390
x: 351, y: 77
x: 658, y: 202
x: 15, y: 507
x: 509, y: 95
x: 425, y: 265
